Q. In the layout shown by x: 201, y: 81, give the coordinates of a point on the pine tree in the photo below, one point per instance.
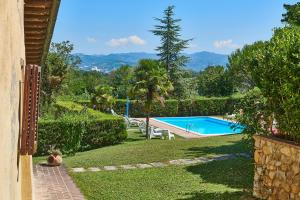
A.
x: 292, y: 15
x: 170, y: 51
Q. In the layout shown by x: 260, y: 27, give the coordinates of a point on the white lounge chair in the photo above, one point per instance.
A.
x: 231, y: 116
x: 142, y: 128
x: 114, y: 113
x: 131, y: 122
x: 158, y: 132
x: 166, y: 132
x: 153, y: 133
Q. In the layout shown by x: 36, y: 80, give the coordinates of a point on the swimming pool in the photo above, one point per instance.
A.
x: 202, y: 125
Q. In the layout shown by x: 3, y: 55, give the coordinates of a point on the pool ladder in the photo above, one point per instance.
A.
x: 188, y: 127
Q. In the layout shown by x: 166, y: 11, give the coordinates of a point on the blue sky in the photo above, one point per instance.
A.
x: 118, y: 26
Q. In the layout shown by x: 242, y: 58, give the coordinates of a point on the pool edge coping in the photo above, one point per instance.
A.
x: 193, y: 132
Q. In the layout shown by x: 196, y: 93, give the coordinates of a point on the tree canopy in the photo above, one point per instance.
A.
x: 121, y: 80
x: 102, y: 98
x: 214, y: 81
x: 276, y: 73
x: 292, y: 15
x: 241, y: 63
x: 58, y: 63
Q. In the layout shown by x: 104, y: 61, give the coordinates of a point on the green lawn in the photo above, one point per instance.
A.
x: 227, y: 179
x: 138, y: 150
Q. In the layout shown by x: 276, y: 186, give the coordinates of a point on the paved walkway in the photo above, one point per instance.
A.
x: 173, y: 129
x: 163, y: 164
x: 53, y: 183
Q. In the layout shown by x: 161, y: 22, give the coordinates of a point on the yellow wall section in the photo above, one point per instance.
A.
x: 26, y: 181
x: 12, y: 51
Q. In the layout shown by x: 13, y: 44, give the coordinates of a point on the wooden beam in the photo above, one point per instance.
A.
x: 36, y: 37
x: 35, y: 12
x: 33, y: 53
x: 27, y: 41
x: 37, y: 1
x: 34, y: 28
x: 34, y: 48
x: 42, y: 19
x: 41, y: 33
x: 33, y: 23
x: 33, y: 62
x: 37, y: 4
x: 36, y: 56
x: 34, y: 45
x: 41, y: 25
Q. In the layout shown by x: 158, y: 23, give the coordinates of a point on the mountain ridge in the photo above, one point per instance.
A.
x: 106, y: 63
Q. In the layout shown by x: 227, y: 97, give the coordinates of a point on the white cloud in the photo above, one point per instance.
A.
x: 222, y: 44
x: 133, y: 39
x: 118, y: 42
x: 136, y: 40
x: 91, y: 40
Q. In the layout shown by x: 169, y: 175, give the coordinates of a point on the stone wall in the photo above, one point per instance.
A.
x: 277, y: 169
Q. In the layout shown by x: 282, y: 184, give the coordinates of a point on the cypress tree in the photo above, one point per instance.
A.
x: 170, y: 51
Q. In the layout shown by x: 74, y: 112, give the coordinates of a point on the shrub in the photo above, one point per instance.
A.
x: 102, y: 97
x: 208, y: 106
x: 172, y: 108
x: 78, y: 129
x: 275, y: 70
x: 64, y: 133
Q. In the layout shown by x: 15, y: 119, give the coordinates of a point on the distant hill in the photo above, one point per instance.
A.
x: 106, y: 63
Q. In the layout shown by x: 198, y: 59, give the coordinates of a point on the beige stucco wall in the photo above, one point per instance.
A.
x: 11, y: 53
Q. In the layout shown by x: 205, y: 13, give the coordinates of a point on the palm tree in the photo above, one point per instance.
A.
x: 151, y: 85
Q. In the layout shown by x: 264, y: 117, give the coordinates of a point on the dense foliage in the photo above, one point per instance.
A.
x: 58, y: 62
x: 121, y: 80
x: 102, y: 98
x: 240, y: 65
x: 82, y: 83
x: 276, y: 72
x: 75, y: 128
x: 174, y: 108
x: 215, y: 81
x: 292, y: 15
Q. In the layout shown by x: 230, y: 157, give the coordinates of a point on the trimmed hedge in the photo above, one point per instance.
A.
x: 79, y: 129
x: 173, y: 108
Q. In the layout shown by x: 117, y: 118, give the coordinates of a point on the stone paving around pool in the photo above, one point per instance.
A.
x: 162, y: 164
x: 178, y: 131
x: 173, y: 129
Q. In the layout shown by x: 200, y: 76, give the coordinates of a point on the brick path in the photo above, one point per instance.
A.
x: 53, y: 183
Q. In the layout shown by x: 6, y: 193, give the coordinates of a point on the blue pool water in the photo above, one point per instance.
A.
x: 202, y: 125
